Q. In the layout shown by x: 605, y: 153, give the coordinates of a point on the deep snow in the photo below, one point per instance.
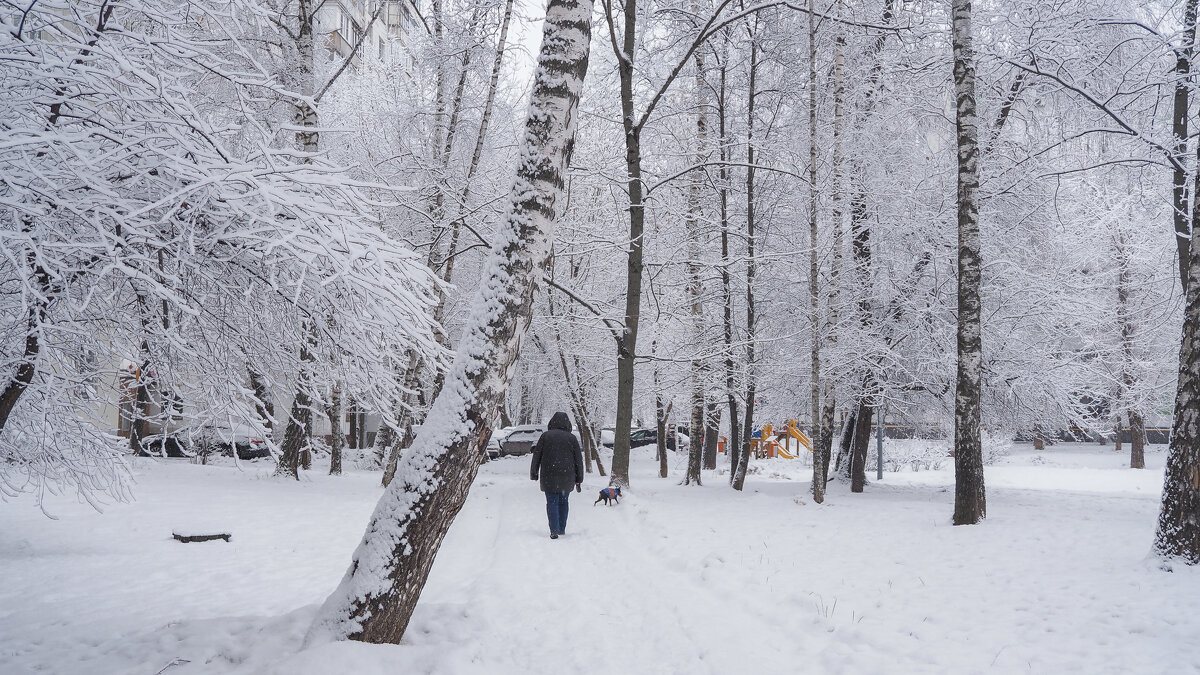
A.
x: 674, y: 579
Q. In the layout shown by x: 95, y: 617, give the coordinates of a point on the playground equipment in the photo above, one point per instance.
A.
x: 765, y: 441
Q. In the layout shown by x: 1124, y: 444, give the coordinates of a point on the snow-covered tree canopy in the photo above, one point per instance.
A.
x: 151, y: 216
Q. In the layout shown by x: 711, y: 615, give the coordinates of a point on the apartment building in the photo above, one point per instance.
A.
x: 387, y: 40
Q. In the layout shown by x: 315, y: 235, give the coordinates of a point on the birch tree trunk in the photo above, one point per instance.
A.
x: 1137, y: 425
x: 36, y: 313
x: 712, y: 429
x: 695, y: 286
x: 970, y: 504
x: 1178, y: 533
x: 823, y: 450
x: 814, y: 298
x: 738, y: 478
x: 732, y: 447
x: 297, y: 431
x: 660, y: 424
x: 337, y: 439
x: 264, y: 407
x: 376, y: 598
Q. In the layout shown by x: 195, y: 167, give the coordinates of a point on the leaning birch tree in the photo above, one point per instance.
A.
x: 378, y: 594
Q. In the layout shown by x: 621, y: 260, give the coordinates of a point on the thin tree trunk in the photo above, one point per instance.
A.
x: 34, y: 319
x: 298, y: 429
x: 627, y: 343
x: 137, y: 425
x: 695, y: 285
x: 586, y: 440
x: 970, y: 503
x: 337, y: 439
x: 596, y: 453
x: 477, y: 154
x: 860, y: 227
x: 732, y: 447
x: 398, y: 441
x: 823, y: 450
x: 376, y: 598
x: 712, y: 429
x: 1137, y: 441
x: 861, y: 444
x: 739, y: 476
x: 846, y: 443
x: 814, y: 297
x: 1137, y: 457
x: 1179, y: 129
x: 263, y: 405
x: 660, y: 423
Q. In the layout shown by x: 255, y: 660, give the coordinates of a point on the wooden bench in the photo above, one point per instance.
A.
x: 189, y: 538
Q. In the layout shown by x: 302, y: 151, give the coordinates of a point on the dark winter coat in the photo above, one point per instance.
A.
x: 557, y: 456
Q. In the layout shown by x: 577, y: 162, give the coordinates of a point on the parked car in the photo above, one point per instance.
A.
x: 519, y: 440
x: 246, y: 441
x: 163, y: 445
x: 493, y: 448
x: 640, y: 437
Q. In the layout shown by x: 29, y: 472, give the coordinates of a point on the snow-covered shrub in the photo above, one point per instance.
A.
x: 995, y: 447
x: 914, y: 454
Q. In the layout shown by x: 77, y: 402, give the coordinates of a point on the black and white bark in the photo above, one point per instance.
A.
x: 712, y: 430
x: 814, y: 292
x: 823, y: 440
x: 1177, y: 537
x: 732, y: 447
x: 337, y: 440
x: 970, y: 505
x: 695, y: 285
x: 738, y: 477
x: 1128, y: 380
x: 376, y: 598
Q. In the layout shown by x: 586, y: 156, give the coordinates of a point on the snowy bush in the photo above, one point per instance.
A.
x: 917, y: 454
x: 995, y: 447
x: 911, y: 453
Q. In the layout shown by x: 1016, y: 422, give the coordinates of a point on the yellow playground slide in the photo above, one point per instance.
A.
x: 794, y: 432
x: 781, y: 451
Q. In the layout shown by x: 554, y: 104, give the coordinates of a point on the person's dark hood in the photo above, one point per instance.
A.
x: 560, y: 421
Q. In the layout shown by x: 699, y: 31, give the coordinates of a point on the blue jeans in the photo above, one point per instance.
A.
x: 556, y: 511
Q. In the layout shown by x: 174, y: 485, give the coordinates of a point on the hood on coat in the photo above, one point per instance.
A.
x: 560, y: 421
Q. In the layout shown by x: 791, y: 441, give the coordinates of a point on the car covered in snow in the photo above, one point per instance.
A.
x: 245, y: 440
x: 519, y: 440
x: 641, y: 437
x: 493, y: 447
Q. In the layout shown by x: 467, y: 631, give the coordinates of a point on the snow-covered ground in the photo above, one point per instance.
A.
x: 673, y: 580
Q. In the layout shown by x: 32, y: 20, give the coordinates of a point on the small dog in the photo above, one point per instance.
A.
x: 609, y: 493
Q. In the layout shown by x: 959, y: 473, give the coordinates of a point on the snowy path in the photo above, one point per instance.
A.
x: 672, y: 580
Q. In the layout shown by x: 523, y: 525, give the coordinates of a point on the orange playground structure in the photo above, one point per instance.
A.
x: 767, y: 442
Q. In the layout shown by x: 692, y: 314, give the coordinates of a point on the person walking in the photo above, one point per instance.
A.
x: 558, y: 459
